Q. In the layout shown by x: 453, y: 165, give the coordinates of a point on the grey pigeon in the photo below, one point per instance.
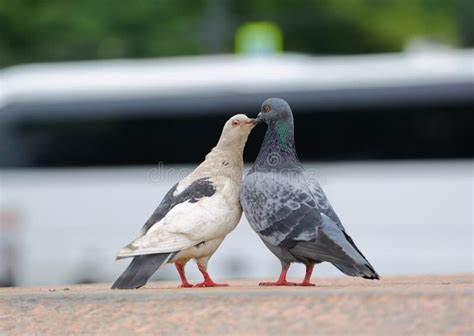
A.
x: 195, y: 215
x: 288, y: 209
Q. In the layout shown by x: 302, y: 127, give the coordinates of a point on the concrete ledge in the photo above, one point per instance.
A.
x: 427, y: 305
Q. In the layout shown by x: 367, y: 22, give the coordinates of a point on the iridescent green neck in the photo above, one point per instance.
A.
x: 278, y: 143
x: 283, y: 132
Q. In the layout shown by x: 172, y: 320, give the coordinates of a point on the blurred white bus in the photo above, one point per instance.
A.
x: 88, y: 149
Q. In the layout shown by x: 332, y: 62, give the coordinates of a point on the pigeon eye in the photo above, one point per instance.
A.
x: 235, y: 123
x: 266, y: 108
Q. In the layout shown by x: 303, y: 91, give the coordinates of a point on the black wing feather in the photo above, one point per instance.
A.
x: 200, y: 188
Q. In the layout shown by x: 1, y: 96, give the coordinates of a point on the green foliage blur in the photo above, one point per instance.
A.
x: 59, y: 30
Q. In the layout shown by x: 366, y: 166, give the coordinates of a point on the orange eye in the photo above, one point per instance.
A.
x: 266, y: 108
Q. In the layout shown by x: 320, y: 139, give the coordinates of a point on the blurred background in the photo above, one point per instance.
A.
x: 104, y: 105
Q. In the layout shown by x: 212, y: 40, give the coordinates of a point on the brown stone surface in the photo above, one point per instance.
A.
x: 422, y: 305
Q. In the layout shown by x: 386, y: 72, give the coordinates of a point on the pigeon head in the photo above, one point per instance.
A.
x: 275, y: 109
x: 278, y: 147
x: 236, y: 130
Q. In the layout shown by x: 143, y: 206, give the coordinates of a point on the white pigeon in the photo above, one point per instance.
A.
x: 194, y: 217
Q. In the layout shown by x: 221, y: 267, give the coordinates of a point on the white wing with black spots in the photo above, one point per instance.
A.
x: 199, y: 213
x: 197, y: 190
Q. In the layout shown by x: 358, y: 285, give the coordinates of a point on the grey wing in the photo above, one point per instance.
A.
x: 286, y: 213
x: 279, y: 208
x: 335, y: 246
x: 200, y: 188
x: 323, y: 203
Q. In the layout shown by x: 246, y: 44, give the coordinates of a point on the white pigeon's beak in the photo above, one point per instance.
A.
x: 253, y: 122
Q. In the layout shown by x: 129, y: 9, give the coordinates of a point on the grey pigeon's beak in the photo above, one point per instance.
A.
x: 259, y: 118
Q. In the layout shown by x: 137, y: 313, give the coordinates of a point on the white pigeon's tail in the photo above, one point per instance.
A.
x: 141, y: 269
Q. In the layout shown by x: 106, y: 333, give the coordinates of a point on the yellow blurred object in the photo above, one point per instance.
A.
x: 256, y: 38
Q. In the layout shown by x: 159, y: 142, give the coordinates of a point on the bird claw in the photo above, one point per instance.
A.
x: 306, y: 284
x: 278, y: 283
x: 210, y: 284
x: 185, y: 285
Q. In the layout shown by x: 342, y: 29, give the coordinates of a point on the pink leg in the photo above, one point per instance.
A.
x: 307, y: 277
x: 207, y: 279
x: 281, y: 280
x: 182, y: 275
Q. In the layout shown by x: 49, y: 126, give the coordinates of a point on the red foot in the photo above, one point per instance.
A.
x: 307, y: 277
x: 182, y: 276
x: 185, y: 285
x: 306, y: 284
x: 278, y: 283
x: 210, y: 284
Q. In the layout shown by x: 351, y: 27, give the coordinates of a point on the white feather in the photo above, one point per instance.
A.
x: 210, y: 219
x: 188, y: 224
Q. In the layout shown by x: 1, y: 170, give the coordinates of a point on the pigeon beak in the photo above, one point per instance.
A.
x: 259, y: 118
x: 253, y: 122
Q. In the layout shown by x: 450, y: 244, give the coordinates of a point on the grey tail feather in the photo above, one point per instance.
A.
x: 140, y: 270
x: 325, y: 249
x: 365, y: 271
